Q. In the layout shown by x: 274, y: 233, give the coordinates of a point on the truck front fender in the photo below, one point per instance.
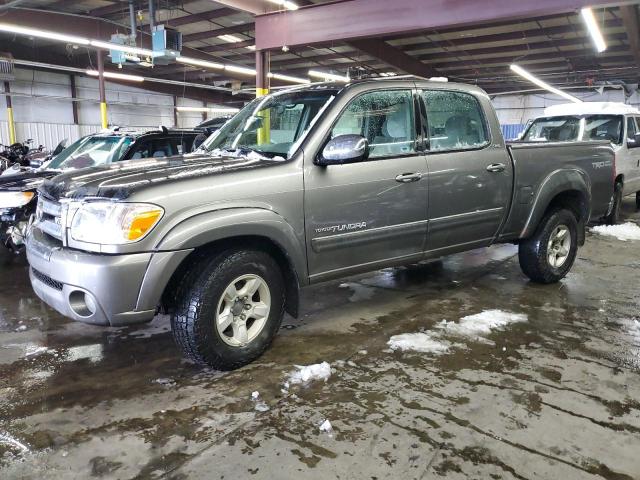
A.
x: 571, y: 182
x: 208, y: 227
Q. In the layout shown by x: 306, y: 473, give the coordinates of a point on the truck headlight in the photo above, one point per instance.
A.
x: 15, y: 199
x: 113, y: 223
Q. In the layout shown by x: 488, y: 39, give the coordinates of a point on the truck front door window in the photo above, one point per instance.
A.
x: 384, y: 118
x: 455, y: 121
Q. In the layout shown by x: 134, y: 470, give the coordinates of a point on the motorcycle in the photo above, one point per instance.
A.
x: 19, y: 158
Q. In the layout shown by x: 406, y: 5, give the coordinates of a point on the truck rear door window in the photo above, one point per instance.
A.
x: 455, y: 120
x: 385, y: 118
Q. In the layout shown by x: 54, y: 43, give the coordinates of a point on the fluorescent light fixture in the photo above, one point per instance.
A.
x: 285, y: 3
x: 30, y: 32
x: 121, y: 48
x: 200, y: 63
x: 523, y: 73
x: 594, y: 30
x: 288, y: 78
x: 251, y: 47
x: 242, y: 70
x: 116, y: 76
x: 328, y: 76
x: 208, y: 109
x: 230, y: 38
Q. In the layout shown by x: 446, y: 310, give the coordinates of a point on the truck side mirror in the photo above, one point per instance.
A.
x: 634, y: 142
x: 344, y: 149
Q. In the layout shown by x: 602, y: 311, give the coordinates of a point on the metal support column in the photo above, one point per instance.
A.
x: 74, y: 96
x: 262, y: 88
x: 12, y: 125
x: 103, y: 96
x: 175, y: 111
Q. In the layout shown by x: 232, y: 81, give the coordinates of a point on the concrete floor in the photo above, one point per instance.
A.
x: 556, y: 397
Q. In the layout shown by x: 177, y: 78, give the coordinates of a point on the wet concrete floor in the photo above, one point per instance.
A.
x: 555, y: 397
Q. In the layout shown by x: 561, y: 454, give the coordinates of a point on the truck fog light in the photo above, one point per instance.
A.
x: 82, y: 303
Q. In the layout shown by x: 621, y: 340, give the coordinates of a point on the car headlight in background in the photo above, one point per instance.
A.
x: 113, y: 223
x: 15, y: 199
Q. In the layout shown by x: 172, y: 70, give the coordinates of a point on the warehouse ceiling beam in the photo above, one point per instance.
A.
x: 356, y: 19
x: 92, y: 28
x: 394, y: 57
x: 629, y: 15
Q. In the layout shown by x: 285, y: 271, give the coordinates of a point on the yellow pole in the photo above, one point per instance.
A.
x: 264, y: 132
x: 101, y: 90
x: 12, y: 123
x: 12, y: 126
x: 103, y: 114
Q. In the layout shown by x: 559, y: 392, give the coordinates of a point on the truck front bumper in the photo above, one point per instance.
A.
x: 99, y: 289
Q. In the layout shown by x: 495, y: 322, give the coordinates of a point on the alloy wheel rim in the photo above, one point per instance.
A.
x: 559, y: 246
x: 243, y: 310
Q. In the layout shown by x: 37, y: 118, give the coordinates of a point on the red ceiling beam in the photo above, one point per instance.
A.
x: 354, y: 19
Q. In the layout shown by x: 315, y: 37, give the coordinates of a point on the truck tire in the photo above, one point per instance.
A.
x: 229, y: 308
x: 548, y: 255
x: 614, y: 217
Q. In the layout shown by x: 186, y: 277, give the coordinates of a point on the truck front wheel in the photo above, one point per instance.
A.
x: 548, y: 255
x: 229, y: 309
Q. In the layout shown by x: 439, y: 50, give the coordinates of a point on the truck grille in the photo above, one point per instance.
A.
x: 49, y: 216
x: 47, y: 280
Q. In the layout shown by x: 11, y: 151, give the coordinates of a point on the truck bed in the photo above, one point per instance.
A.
x: 537, y: 165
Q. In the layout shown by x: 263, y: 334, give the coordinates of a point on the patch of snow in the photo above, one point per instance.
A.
x: 35, y: 350
x: 624, y: 231
x: 418, y: 342
x: 21, y: 328
x: 362, y: 352
x: 482, y: 323
x: 165, y: 382
x: 262, y: 407
x: 255, y: 395
x: 308, y: 373
x: 326, y: 427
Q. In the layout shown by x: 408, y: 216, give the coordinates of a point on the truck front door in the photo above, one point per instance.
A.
x: 470, y: 172
x: 374, y: 212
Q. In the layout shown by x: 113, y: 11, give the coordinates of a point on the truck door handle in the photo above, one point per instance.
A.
x: 496, y: 167
x: 408, y: 177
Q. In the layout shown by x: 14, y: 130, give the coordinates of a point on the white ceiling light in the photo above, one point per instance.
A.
x: 594, y: 30
x: 208, y: 109
x: 251, y: 47
x: 121, y: 48
x: 523, y: 73
x: 285, y: 3
x: 242, y: 70
x: 288, y: 78
x: 30, y: 32
x: 116, y: 76
x: 230, y: 38
x: 328, y: 76
x: 200, y: 63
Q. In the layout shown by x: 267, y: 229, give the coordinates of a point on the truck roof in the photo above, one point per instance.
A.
x: 590, y: 108
x: 400, y: 80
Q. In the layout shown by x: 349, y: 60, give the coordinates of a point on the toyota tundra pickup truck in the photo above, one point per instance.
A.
x: 300, y: 187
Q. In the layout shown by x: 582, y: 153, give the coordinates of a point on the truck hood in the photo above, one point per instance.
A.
x: 25, y: 182
x: 120, y: 180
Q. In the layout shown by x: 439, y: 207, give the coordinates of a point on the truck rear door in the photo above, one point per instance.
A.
x: 470, y: 171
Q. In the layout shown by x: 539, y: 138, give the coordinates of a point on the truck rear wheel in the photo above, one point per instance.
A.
x: 548, y: 255
x: 614, y: 217
x: 229, y: 309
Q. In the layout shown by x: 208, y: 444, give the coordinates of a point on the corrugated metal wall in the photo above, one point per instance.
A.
x: 47, y: 134
x: 511, y: 131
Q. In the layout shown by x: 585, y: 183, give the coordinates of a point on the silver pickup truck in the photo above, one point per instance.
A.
x: 303, y: 186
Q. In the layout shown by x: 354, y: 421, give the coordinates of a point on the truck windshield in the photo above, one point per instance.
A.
x: 576, y: 128
x: 271, y: 126
x: 91, y: 151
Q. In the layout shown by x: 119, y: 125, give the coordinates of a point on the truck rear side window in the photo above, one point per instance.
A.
x: 385, y: 118
x: 455, y: 119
